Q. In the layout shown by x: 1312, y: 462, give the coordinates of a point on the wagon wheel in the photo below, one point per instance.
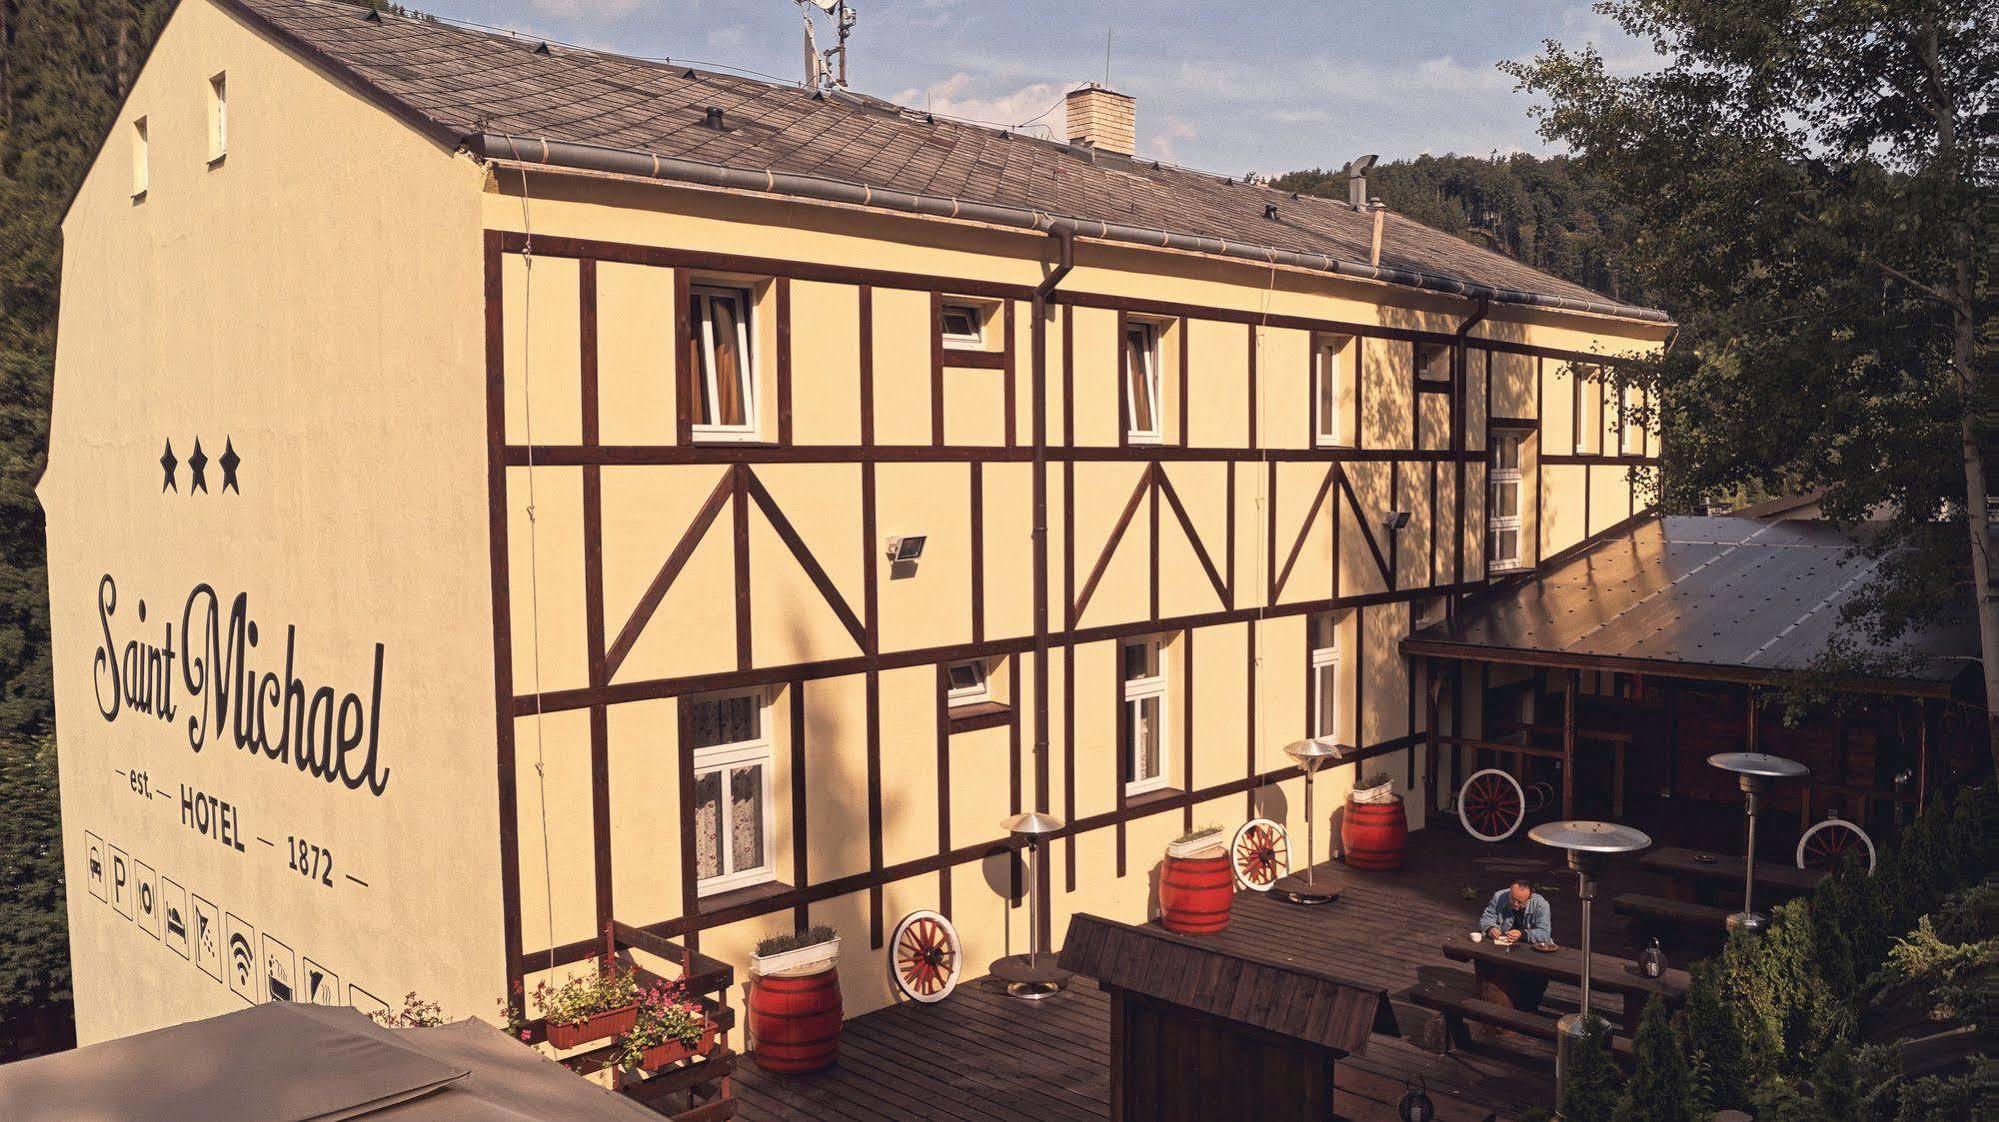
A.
x: 925, y: 957
x: 1826, y: 845
x: 1491, y: 805
x: 1260, y: 853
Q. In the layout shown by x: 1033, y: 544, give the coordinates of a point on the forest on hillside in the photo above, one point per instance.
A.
x: 1545, y: 211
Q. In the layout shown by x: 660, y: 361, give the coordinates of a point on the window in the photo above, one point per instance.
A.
x: 1504, y: 500
x: 963, y: 326
x: 1589, y: 411
x: 218, y: 117
x: 141, y: 172
x: 968, y: 684
x: 1324, y: 630
x: 1433, y: 362
x: 724, y: 363
x: 1144, y: 716
x: 1329, y: 358
x: 1141, y: 381
x: 732, y: 804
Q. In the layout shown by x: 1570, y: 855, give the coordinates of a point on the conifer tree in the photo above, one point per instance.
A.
x: 1591, y: 1085
x: 1720, y: 1075
x: 1661, y: 1087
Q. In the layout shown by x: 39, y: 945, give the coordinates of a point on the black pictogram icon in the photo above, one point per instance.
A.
x: 121, y: 882
x: 146, y: 891
x: 245, y: 979
x: 207, y: 938
x: 280, y: 970
x: 322, y: 986
x: 173, y: 915
x: 367, y: 1003
x: 93, y: 855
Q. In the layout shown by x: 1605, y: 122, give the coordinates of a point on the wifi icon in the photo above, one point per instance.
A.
x: 243, y: 974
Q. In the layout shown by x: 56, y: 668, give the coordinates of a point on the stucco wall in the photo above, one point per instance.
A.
x: 310, y: 301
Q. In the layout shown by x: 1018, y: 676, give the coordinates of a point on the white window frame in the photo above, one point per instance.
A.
x: 1496, y: 522
x: 976, y: 341
x: 1439, y: 348
x: 1324, y: 637
x: 142, y: 169
x: 1328, y: 361
x: 734, y: 756
x: 1135, y: 692
x: 704, y: 337
x: 1147, y: 379
x: 218, y: 116
x: 956, y: 696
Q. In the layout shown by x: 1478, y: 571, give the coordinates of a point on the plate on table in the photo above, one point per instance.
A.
x: 1504, y: 941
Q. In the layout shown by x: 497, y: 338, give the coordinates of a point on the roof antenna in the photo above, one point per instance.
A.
x: 819, y: 72
x: 1107, y: 57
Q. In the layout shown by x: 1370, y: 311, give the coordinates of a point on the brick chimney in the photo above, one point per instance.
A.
x: 1103, y: 118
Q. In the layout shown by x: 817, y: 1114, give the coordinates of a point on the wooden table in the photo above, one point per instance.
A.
x: 1493, y: 964
x: 1692, y: 878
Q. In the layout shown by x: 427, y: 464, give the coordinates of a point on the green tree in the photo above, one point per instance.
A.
x: 1661, y: 1087
x: 1591, y: 1084
x: 1788, y: 1012
x: 1813, y: 189
x: 34, y: 929
x: 1720, y: 1073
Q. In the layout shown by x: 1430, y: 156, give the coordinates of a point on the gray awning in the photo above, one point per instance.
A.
x: 285, y: 1062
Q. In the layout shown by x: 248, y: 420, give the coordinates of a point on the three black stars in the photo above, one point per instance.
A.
x: 197, y: 465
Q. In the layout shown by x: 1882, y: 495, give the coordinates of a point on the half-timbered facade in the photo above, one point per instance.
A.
x: 745, y: 499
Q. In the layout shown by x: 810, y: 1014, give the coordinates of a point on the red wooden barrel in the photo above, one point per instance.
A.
x: 1195, y: 893
x: 795, y: 1022
x: 1374, y: 835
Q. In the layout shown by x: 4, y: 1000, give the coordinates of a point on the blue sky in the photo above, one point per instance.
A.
x: 1232, y: 86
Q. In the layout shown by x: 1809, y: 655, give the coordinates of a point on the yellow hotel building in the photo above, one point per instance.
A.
x: 479, y: 471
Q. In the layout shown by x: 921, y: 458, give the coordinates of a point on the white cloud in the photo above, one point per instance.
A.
x: 728, y: 38
x: 596, y: 11
x: 965, y: 97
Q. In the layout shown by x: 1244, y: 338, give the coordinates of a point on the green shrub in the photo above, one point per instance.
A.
x: 1788, y: 1012
x: 1590, y: 1090
x: 1720, y: 1074
x: 1661, y: 1087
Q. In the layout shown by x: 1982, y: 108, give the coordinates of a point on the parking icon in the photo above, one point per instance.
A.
x: 121, y: 882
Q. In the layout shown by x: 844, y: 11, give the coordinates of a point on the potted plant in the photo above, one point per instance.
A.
x: 589, y: 1006
x: 1374, y: 831
x: 666, y: 1029
x: 1196, y: 886
x: 794, y: 1000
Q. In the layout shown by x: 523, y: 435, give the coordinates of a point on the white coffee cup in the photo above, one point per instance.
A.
x: 1478, y: 936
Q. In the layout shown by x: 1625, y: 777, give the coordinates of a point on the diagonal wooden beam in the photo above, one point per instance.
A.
x: 1311, y: 520
x: 820, y: 580
x: 675, y: 561
x: 1145, y: 479
x: 1194, y: 539
x: 1367, y: 531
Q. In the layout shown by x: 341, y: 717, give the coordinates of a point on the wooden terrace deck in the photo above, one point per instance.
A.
x: 981, y: 1055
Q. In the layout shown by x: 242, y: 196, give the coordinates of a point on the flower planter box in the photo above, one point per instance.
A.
x: 1376, y: 796
x: 666, y: 1055
x: 1208, y: 845
x: 797, y: 963
x: 609, y: 1023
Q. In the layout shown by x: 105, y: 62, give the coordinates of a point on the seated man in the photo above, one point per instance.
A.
x: 1518, y: 912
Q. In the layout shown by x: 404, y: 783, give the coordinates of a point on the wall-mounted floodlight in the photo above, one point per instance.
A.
x: 905, y: 547
x: 1394, y: 520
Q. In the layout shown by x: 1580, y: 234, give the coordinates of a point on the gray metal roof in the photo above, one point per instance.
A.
x: 1701, y: 597
x: 520, y: 99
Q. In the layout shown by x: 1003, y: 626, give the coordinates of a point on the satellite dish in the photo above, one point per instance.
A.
x: 826, y: 6
x: 811, y: 55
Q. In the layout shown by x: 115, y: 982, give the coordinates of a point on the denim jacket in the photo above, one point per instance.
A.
x: 1531, y: 919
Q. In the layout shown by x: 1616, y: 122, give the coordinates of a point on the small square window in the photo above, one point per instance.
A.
x: 968, y: 684
x: 1433, y: 362
x: 963, y: 326
x: 218, y: 117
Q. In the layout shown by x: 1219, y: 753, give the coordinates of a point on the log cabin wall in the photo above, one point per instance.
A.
x: 643, y: 568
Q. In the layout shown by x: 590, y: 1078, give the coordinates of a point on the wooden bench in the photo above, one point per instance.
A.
x: 1364, y: 1096
x: 1457, y: 1006
x: 1673, y: 913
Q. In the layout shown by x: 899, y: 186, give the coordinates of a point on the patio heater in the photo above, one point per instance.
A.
x: 1304, y: 888
x: 1755, y: 771
x: 1033, y: 975
x: 1590, y: 846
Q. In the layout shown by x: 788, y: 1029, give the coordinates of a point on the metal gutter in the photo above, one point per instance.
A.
x: 624, y: 161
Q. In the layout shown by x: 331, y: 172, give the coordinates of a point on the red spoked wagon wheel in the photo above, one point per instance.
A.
x: 1826, y: 845
x: 1491, y: 805
x: 1260, y: 853
x: 925, y: 957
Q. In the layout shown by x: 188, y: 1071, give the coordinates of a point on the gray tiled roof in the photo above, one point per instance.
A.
x: 458, y: 83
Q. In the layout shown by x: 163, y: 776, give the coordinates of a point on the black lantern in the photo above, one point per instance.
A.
x: 1653, y: 960
x: 1416, y: 1106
